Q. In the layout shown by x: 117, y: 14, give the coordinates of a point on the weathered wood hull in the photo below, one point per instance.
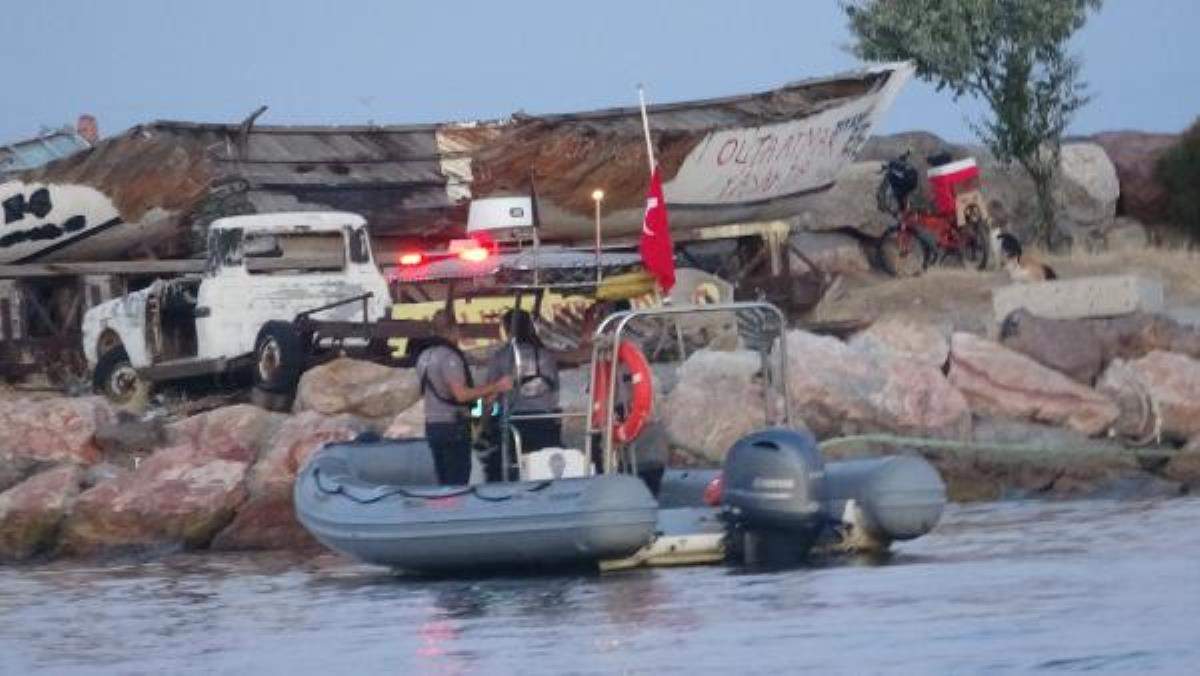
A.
x: 155, y: 188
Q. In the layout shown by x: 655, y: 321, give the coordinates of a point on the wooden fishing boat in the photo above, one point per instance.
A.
x: 154, y: 189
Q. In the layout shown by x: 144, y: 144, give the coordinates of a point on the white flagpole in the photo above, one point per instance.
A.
x: 646, y: 128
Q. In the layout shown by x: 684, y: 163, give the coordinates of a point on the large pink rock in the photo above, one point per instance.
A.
x: 267, y: 520
x: 1158, y: 394
x: 1000, y: 382
x: 839, y: 390
x: 717, y: 400
x: 232, y: 430
x: 360, y: 388
x: 180, y: 496
x: 30, y: 513
x: 53, y: 430
x: 904, y: 337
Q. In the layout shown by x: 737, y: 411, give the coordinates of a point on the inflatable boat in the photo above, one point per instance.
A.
x: 377, y: 501
x: 773, y: 499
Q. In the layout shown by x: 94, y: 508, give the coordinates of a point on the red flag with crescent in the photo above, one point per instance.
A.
x: 658, y: 251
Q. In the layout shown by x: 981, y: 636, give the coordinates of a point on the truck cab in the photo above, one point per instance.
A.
x: 260, y: 269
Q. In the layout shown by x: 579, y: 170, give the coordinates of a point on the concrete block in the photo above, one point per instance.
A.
x: 1082, y: 297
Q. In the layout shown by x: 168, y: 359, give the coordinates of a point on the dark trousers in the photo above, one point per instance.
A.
x: 451, y: 446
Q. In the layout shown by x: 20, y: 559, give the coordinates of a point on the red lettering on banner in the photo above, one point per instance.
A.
x: 722, y: 158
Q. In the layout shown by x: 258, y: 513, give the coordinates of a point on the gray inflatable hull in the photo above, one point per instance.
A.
x: 376, y: 502
x: 897, y: 497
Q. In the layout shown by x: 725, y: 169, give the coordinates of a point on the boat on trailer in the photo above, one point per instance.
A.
x: 774, y: 497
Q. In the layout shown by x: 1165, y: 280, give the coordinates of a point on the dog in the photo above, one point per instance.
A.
x: 1019, y: 268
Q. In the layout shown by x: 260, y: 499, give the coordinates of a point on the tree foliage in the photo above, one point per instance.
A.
x: 1179, y: 172
x: 1012, y: 54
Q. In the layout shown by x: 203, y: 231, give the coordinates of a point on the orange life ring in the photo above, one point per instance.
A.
x: 641, y: 393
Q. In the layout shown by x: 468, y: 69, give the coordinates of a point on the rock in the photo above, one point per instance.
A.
x: 30, y: 513
x: 1185, y: 466
x: 234, y: 431
x: 1095, y: 296
x: 850, y: 203
x: 360, y: 388
x: 411, y: 423
x: 101, y: 472
x: 127, y: 435
x: 1135, y: 155
x: 718, y: 399
x: 1125, y: 234
x: 1087, y: 189
x: 1157, y: 395
x: 832, y: 252
x: 178, y: 497
x: 267, y: 520
x: 17, y: 468
x: 53, y: 430
x: 1081, y: 348
x: 1001, y: 382
x: 1069, y: 347
x: 838, y: 390
x: 900, y: 336
x: 1138, y: 334
x: 1124, y: 386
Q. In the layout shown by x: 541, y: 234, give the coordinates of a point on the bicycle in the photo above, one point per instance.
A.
x: 918, y: 238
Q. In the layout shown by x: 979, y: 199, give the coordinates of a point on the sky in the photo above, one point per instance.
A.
x: 403, y: 61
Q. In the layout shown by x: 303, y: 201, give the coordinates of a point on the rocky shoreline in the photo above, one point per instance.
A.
x: 81, y: 479
x: 1056, y: 408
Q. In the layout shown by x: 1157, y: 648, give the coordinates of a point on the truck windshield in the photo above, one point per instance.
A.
x: 288, y: 253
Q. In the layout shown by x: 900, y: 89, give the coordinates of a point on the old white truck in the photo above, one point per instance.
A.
x: 265, y: 276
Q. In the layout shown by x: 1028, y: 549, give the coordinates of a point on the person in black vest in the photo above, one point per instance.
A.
x: 449, y: 391
x: 535, y: 388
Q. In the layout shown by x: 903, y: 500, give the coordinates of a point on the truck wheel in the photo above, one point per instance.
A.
x: 116, y: 378
x: 278, y: 358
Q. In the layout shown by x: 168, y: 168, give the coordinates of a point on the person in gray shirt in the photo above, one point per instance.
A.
x: 535, y: 388
x: 449, y: 390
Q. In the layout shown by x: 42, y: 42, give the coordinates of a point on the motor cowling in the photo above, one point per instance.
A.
x: 773, y: 481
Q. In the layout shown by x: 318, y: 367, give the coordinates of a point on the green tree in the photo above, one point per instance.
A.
x: 1012, y: 54
x: 1179, y: 172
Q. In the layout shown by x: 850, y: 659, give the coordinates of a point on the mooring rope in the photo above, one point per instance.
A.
x: 1003, y: 447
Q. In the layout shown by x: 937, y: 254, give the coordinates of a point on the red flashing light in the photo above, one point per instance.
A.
x: 714, y: 492
x: 411, y: 258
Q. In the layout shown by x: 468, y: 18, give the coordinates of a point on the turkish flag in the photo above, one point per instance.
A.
x: 658, y: 252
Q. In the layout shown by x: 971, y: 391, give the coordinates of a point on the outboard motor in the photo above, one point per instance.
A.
x: 879, y: 500
x: 772, y: 494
